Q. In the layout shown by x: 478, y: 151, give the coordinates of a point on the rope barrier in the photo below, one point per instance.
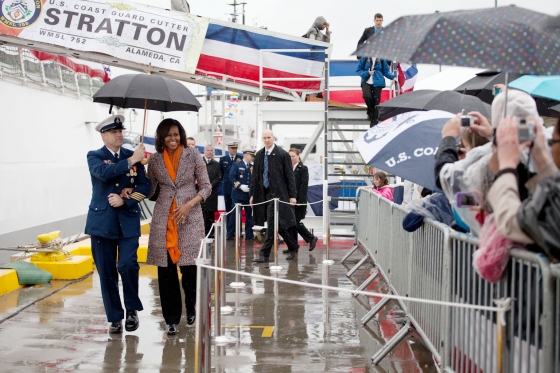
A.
x: 287, y: 203
x: 502, y: 308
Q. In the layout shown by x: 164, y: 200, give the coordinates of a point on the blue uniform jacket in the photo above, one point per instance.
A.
x: 381, y: 69
x: 225, y: 166
x: 109, y: 176
x: 240, y: 175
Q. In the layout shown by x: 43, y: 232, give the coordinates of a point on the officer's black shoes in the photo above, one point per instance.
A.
x: 260, y: 259
x: 191, y: 316
x: 249, y: 239
x: 291, y: 255
x: 313, y: 243
x: 132, y: 322
x: 115, y: 327
x: 172, y: 329
x: 230, y: 238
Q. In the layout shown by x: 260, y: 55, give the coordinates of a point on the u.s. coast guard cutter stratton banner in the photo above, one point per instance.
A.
x: 139, y: 33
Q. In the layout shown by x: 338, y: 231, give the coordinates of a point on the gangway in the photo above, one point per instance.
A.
x: 178, y: 45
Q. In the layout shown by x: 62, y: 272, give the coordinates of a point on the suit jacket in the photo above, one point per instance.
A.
x: 301, y: 176
x: 109, y: 176
x: 240, y: 175
x: 368, y: 32
x: 215, y: 176
x: 282, y: 186
x: 191, y: 169
x: 225, y: 166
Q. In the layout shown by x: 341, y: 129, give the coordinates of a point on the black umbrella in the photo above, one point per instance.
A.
x: 503, y: 38
x: 145, y: 91
x: 148, y: 92
x: 427, y: 99
x: 483, y: 83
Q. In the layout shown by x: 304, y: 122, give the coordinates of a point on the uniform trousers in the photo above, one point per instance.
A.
x: 248, y: 220
x: 228, y: 202
x: 170, y: 290
x: 208, y: 221
x: 287, y: 234
x: 372, y: 96
x: 104, y: 252
x: 303, y: 232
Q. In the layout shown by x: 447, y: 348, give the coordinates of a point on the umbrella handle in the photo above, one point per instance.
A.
x: 145, y: 160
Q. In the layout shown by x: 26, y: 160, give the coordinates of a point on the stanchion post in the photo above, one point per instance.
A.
x: 218, y: 276
x: 202, y: 363
x: 237, y: 237
x: 328, y: 261
x: 237, y: 245
x: 276, y: 267
x: 222, y: 264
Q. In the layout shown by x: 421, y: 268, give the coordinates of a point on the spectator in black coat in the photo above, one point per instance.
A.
x: 301, y: 175
x: 210, y: 206
x: 369, y: 31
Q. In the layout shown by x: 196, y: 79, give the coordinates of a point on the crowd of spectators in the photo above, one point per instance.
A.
x: 498, y: 179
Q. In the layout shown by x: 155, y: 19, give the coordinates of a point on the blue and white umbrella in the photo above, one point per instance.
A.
x: 405, y: 145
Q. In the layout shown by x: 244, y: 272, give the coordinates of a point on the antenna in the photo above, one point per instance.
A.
x: 235, y: 14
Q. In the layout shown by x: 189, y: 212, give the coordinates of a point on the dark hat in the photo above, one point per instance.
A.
x: 249, y: 151
x: 114, y: 122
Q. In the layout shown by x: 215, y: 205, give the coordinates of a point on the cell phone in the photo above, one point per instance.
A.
x: 467, y: 120
x: 465, y: 199
x: 525, y: 130
x: 496, y: 91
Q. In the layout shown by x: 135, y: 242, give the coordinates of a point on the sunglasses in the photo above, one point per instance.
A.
x: 552, y: 142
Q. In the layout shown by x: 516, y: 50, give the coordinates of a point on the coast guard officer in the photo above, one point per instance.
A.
x: 240, y: 178
x: 113, y: 221
x: 226, y: 162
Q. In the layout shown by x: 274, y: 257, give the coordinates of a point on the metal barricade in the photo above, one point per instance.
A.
x: 435, y: 263
x: 471, y: 341
x: 555, y: 272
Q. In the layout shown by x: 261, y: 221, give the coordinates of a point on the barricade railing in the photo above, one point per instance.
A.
x: 435, y: 263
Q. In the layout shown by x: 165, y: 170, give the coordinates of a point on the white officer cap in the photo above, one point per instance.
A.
x: 114, y: 122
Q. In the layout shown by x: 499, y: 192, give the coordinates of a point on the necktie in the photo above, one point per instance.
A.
x: 265, y: 175
x: 116, y: 157
x: 232, y: 159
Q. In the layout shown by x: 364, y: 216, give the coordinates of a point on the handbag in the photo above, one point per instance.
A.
x: 155, y: 196
x: 539, y: 215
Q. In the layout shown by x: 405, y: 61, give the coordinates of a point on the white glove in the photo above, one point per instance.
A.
x: 244, y: 188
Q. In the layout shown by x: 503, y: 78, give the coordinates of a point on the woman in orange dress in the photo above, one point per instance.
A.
x: 177, y: 223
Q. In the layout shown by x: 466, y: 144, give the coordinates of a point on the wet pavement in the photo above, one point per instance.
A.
x: 274, y: 327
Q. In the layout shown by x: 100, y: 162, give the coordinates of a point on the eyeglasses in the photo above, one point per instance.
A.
x: 552, y: 142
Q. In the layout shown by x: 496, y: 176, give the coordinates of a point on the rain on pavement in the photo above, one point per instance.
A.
x: 274, y: 327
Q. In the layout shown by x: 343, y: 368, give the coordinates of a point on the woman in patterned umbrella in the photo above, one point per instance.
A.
x: 177, y: 224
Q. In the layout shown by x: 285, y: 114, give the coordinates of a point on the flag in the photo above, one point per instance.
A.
x: 407, y: 77
x: 229, y: 51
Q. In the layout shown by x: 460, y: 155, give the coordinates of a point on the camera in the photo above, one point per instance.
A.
x: 525, y: 130
x: 465, y: 199
x: 467, y: 120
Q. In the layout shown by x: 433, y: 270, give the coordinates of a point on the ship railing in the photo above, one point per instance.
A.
x: 20, y: 64
x: 435, y: 262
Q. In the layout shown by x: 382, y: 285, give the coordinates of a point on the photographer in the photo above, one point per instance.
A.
x: 476, y: 172
x: 504, y: 193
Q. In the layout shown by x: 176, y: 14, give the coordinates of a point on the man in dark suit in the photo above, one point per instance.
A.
x: 210, y: 206
x: 273, y: 177
x: 369, y: 31
x: 240, y: 178
x: 113, y: 221
x: 226, y: 162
